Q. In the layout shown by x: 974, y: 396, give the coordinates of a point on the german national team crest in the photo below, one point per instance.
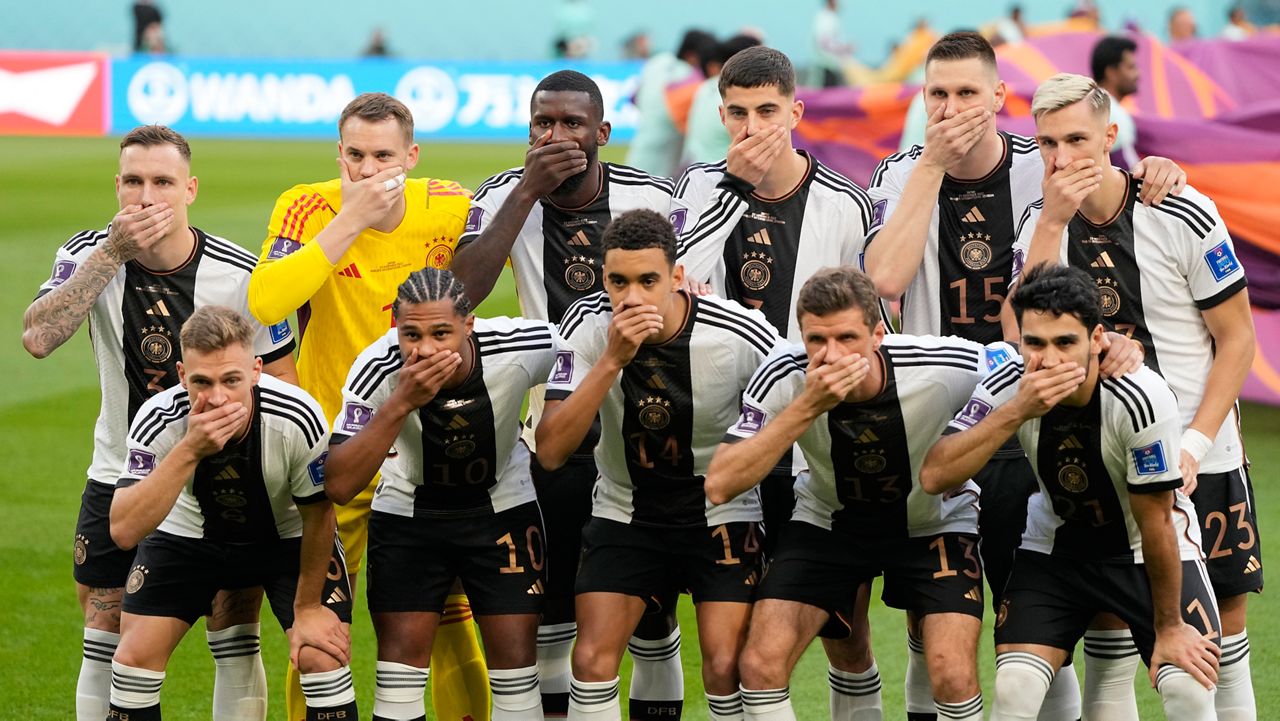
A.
x: 81, y: 550
x: 1108, y: 296
x: 976, y: 252
x: 156, y: 346
x: 870, y: 463
x: 459, y: 446
x: 579, y: 275
x: 230, y: 497
x: 1072, y: 477
x: 655, y: 412
x: 755, y: 272
x: 440, y: 256
x: 137, y: 577
x: 1002, y: 615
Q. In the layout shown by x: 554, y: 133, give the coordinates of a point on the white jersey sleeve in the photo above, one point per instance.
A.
x: 887, y: 183
x: 1149, y: 429
x: 157, y: 427
x: 584, y: 332
x: 306, y: 459
x: 998, y: 388
x: 773, y: 386
x: 70, y: 256
x: 366, y: 388
x: 1211, y: 267
x: 707, y: 206
x: 486, y: 202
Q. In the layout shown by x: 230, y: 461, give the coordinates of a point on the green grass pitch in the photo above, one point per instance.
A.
x: 53, y: 187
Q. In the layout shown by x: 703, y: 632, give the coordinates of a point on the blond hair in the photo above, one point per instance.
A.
x: 149, y: 136
x: 832, y: 290
x: 214, y: 327
x: 1066, y: 89
x: 375, y: 108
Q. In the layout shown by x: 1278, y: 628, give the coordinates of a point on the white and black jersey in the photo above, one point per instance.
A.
x: 248, y: 492
x: 968, y: 257
x: 461, y: 453
x: 865, y: 458
x: 135, y: 322
x: 667, y: 411
x: 1089, y: 459
x: 557, y: 257
x: 760, y: 251
x: 1157, y: 269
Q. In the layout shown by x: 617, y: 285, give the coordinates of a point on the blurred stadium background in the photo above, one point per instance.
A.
x: 257, y: 86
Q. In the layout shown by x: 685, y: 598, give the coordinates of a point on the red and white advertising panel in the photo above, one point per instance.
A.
x: 53, y: 93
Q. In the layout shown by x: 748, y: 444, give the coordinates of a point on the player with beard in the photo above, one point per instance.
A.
x: 548, y: 218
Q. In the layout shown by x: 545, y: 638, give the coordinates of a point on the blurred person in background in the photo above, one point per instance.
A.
x: 636, y: 46
x: 145, y: 17
x: 657, y: 143
x: 377, y: 47
x: 1115, y: 69
x: 830, y: 50
x: 1238, y: 26
x: 706, y: 140
x: 1009, y: 29
x: 1182, y: 25
x: 573, y: 38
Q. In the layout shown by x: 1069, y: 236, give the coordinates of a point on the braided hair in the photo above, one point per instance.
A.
x: 429, y: 285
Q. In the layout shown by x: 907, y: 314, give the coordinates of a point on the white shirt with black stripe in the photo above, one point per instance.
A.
x: 865, y: 458
x: 760, y: 251
x: 968, y: 256
x: 461, y: 454
x: 134, y: 328
x: 666, y: 413
x: 1158, y: 268
x: 1089, y: 459
x: 249, y: 491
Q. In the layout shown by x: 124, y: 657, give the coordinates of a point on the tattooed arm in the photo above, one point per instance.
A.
x: 54, y: 317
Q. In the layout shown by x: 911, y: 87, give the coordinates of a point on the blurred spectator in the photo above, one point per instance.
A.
x: 1182, y: 25
x: 1238, y: 26
x: 574, y: 20
x: 636, y: 46
x: 658, y: 140
x: 377, y: 47
x: 706, y: 140
x: 905, y: 58
x: 148, y: 27
x: 1115, y: 69
x: 830, y: 51
x: 1010, y: 29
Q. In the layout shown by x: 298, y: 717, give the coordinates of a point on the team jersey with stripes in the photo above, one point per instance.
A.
x: 1089, y: 459
x: 760, y: 251
x: 344, y: 307
x: 134, y: 325
x: 968, y: 257
x: 1158, y: 268
x: 557, y: 257
x: 249, y: 491
x: 864, y: 458
x: 460, y: 454
x: 665, y: 414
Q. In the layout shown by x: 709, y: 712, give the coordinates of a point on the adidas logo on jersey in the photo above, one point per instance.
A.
x: 227, y: 474
x: 579, y: 238
x: 974, y: 594
x: 1103, y: 261
x: 351, y: 271
x: 867, y: 436
x: 974, y: 216
x: 458, y: 422
x: 1071, y: 442
x: 536, y: 589
x: 159, y: 309
x: 1252, y: 565
x: 656, y: 383
x: 760, y: 238
x: 338, y: 596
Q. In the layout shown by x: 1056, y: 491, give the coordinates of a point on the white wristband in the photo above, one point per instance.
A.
x: 1196, y: 443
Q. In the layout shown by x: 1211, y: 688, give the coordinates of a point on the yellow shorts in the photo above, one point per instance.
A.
x: 353, y: 526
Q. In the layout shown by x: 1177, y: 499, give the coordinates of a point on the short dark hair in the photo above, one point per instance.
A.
x: 758, y: 67
x: 1108, y: 53
x: 735, y: 45
x: 571, y: 81
x: 641, y: 229
x: 962, y: 45
x: 1060, y: 290
x: 149, y: 136
x: 375, y: 108
x: 832, y: 290
x: 699, y: 43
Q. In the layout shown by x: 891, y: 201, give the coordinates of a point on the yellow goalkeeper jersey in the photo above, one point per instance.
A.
x: 344, y: 307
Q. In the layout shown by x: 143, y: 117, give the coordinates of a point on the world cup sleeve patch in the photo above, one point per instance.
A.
x: 1222, y: 260
x: 475, y: 218
x: 355, y: 417
x: 563, y: 370
x: 751, y: 420
x: 975, y: 410
x: 140, y: 462
x: 1150, y: 459
x: 877, y: 213
x: 678, y: 218
x: 315, y: 469
x: 280, y: 332
x: 282, y: 246
x: 62, y: 271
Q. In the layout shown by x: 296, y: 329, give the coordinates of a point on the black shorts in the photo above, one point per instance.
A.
x: 1229, y: 532
x: 932, y: 574
x: 720, y: 563
x: 777, y: 503
x: 1050, y: 601
x: 99, y: 562
x: 178, y: 577
x: 499, y: 558
x: 565, y: 497
x: 1007, y: 483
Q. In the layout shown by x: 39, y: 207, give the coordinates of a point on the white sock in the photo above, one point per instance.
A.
x: 656, y: 675
x: 1022, y: 680
x: 855, y: 696
x: 93, y: 688
x: 399, y: 691
x: 328, y: 689
x: 135, y: 687
x: 970, y: 710
x: 239, y: 680
x: 555, y: 646
x: 772, y: 704
x: 724, y: 708
x: 594, y: 701
x: 1184, y: 698
x: 918, y: 690
x: 1110, y: 662
x: 1062, y: 703
x: 516, y: 696
x: 1234, y: 699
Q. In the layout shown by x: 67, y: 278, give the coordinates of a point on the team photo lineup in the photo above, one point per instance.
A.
x: 1001, y: 381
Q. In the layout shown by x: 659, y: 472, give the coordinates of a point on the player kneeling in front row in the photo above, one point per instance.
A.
x: 865, y: 407
x: 435, y: 404
x: 1109, y: 530
x: 226, y: 474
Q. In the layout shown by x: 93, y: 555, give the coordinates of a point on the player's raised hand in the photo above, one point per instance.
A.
x: 135, y: 229
x: 1121, y: 355
x: 422, y: 377
x: 209, y: 428
x: 548, y: 164
x: 1160, y: 177
x: 368, y: 200
x: 319, y: 628
x: 1190, y: 469
x: 629, y: 329
x: 1064, y: 189
x: 1184, y: 647
x: 948, y: 140
x: 827, y: 384
x: 1043, y: 388
x: 751, y: 156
